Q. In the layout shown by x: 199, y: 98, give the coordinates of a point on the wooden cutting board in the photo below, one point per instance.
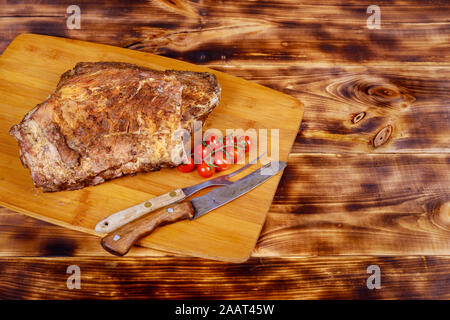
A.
x: 30, y: 69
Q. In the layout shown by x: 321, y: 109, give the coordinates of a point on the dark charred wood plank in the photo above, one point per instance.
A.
x: 413, y: 100
x: 356, y: 84
x: 23, y: 236
x: 241, y: 31
x: 189, y: 278
x: 350, y: 204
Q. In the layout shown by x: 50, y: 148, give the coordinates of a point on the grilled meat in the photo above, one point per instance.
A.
x: 108, y: 119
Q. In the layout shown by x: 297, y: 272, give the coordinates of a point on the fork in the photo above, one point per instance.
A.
x: 118, y: 219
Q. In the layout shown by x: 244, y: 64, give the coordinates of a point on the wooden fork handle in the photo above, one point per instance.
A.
x: 118, y: 219
x: 121, y: 240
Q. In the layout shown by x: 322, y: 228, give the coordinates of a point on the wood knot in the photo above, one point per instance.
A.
x: 382, y: 136
x: 358, y: 117
x: 440, y: 215
x: 375, y: 91
x: 444, y: 214
x: 384, y: 92
x: 390, y: 95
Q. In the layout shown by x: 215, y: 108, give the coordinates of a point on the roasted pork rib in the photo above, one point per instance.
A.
x: 108, y: 119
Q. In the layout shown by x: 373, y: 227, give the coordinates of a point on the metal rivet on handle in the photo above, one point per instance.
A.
x: 170, y: 210
x: 173, y: 194
x: 116, y: 237
x: 148, y: 204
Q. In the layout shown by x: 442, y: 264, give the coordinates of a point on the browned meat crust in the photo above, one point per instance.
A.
x: 108, y: 119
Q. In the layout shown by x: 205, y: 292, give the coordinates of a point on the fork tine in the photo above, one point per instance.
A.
x: 244, y: 167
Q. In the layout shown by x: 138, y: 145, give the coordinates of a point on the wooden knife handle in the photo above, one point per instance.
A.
x: 118, y: 219
x: 121, y: 240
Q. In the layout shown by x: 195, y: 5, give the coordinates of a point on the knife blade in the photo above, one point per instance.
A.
x: 118, y: 219
x: 121, y: 240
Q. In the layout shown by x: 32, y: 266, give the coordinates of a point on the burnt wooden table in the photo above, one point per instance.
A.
x: 368, y: 181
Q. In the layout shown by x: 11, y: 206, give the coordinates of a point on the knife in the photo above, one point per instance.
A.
x: 118, y: 219
x: 121, y: 240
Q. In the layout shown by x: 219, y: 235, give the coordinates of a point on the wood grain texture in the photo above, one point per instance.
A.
x: 120, y: 241
x: 23, y: 236
x: 345, y: 204
x: 281, y: 31
x: 413, y: 100
x: 339, y: 195
x: 268, y: 278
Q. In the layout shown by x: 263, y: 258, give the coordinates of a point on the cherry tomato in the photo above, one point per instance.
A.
x: 229, y: 141
x: 245, y: 143
x: 233, y: 154
x: 187, y: 167
x: 240, y: 154
x: 205, y: 170
x: 221, y: 163
x: 202, y: 153
x: 213, y: 141
x: 214, y: 144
